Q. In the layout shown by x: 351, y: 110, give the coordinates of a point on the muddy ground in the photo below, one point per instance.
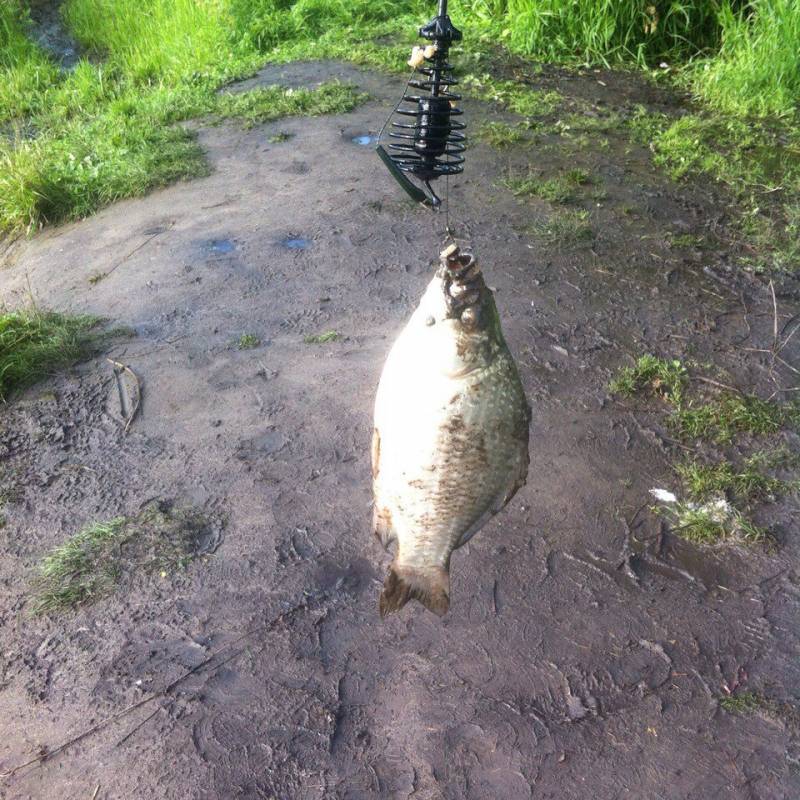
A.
x: 586, y: 647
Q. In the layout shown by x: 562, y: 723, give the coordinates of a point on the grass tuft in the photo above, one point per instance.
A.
x: 273, y: 102
x: 322, y: 338
x: 82, y: 569
x: 499, y: 135
x: 563, y: 228
x: 757, y: 69
x: 686, y: 240
x: 746, y: 482
x: 713, y: 522
x: 742, y: 702
x: 719, y: 419
x: 248, y: 341
x: 281, y: 136
x: 512, y: 95
x: 722, y: 418
x: 93, y: 562
x: 561, y: 189
x: 666, y: 378
x: 34, y: 343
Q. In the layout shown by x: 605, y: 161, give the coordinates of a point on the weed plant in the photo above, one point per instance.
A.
x: 34, y: 343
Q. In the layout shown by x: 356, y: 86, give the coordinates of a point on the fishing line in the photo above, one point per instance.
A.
x: 397, y: 105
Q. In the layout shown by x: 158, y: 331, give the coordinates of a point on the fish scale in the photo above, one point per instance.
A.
x: 450, y: 446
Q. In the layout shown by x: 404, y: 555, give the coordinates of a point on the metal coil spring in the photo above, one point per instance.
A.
x: 432, y: 145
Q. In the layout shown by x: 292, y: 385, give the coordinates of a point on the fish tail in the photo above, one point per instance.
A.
x: 430, y: 587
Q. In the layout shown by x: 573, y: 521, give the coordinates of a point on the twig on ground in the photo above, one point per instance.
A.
x: 716, y: 383
x: 136, y: 400
x: 100, y: 275
x: 775, y: 316
x: 136, y: 727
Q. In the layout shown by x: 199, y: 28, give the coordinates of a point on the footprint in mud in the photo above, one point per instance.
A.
x: 351, y: 579
x: 268, y: 443
x: 217, y: 738
x: 296, y: 546
x: 297, y: 168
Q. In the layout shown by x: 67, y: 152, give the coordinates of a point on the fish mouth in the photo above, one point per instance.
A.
x: 463, y: 286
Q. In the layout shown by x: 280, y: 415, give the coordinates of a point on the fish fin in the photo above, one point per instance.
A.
x: 382, y: 525
x: 431, y: 588
x: 500, y: 502
x: 476, y: 526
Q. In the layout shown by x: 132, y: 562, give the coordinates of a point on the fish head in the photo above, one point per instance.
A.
x: 457, y: 316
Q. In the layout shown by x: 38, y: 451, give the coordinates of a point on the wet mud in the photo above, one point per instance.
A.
x: 51, y: 34
x: 586, y: 648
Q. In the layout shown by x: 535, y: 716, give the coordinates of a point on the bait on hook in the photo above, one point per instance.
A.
x: 427, y: 142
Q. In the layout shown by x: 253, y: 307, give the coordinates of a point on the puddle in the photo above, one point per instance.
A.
x: 365, y: 139
x: 221, y: 246
x: 296, y: 242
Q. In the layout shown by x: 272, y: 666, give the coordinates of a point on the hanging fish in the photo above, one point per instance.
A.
x: 450, y: 444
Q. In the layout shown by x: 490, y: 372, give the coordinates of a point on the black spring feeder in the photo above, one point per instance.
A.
x: 427, y: 142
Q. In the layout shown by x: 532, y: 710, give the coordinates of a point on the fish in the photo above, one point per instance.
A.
x: 450, y: 438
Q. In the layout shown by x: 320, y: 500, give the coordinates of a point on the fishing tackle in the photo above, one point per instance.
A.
x: 427, y: 142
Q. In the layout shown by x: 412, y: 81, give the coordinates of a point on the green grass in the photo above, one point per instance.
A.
x: 94, y: 561
x: 513, y: 96
x: 274, y: 102
x: 721, y: 419
x: 34, y: 344
x: 322, y: 338
x: 563, y: 228
x: 561, y: 189
x: 499, y: 135
x: 82, y: 569
x: 88, y: 164
x: 758, y: 164
x: 667, y: 378
x: 107, y: 130
x: 131, y: 147
x: 757, y: 69
x: 248, y: 341
x: 586, y: 123
x: 376, y: 33
x: 711, y: 523
x: 595, y: 31
x: 686, y: 240
x: 743, y: 482
x: 735, y: 151
x: 742, y: 57
x: 281, y: 136
x: 25, y: 71
x: 74, y: 141
x: 708, y: 516
x: 746, y: 702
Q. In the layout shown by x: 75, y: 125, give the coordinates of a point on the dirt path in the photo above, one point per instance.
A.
x: 585, y: 649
